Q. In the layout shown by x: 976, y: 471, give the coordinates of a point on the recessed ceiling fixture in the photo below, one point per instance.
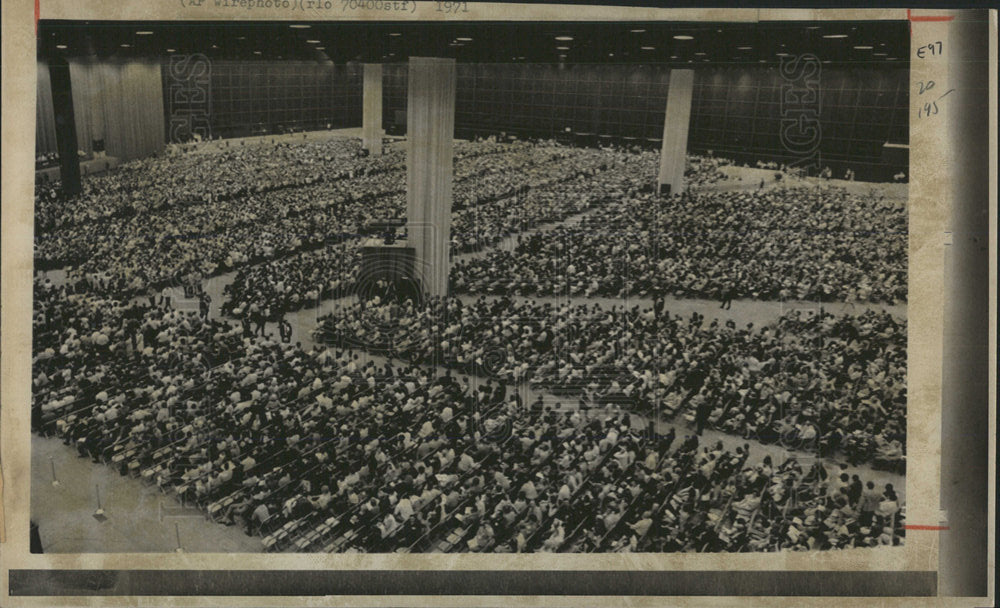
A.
x: 562, y: 48
x: 564, y: 38
x: 299, y: 26
x: 171, y: 50
x: 783, y: 54
x: 125, y: 46
x: 144, y: 33
x: 395, y: 34
x: 700, y: 54
x: 313, y: 41
x: 60, y: 46
x: 638, y: 31
x: 890, y: 59
x: 880, y: 54
x: 864, y: 48
x: 257, y: 53
x: 673, y: 56
x: 831, y: 36
x: 744, y: 48
x: 464, y: 39
x: 321, y: 48
x: 683, y: 37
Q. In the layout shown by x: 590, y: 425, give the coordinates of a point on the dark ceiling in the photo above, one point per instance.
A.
x: 845, y: 42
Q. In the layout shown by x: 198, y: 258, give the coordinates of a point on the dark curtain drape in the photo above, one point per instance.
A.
x: 120, y: 103
x: 45, y: 119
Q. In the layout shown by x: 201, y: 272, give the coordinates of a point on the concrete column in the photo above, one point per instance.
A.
x: 62, y: 104
x: 675, y: 131
x: 371, y: 126
x: 430, y: 124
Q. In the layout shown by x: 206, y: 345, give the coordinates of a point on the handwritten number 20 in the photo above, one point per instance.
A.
x: 923, y: 88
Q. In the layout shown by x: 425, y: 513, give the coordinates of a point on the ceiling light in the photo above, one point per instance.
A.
x: 144, y: 33
x: 762, y: 61
x: 864, y: 48
x: 321, y: 48
x: 60, y: 46
x: 171, y: 50
x: 744, y: 48
x: 611, y: 54
x: 700, y: 54
x: 257, y: 53
x: 241, y: 37
x: 890, y: 59
x: 673, y: 56
x: 313, y: 41
x: 880, y: 54
x: 564, y: 38
x: 299, y: 26
x: 683, y: 37
x: 638, y: 31
x: 395, y: 34
x: 813, y: 27
x: 464, y: 39
x: 125, y: 46
x: 835, y: 35
x: 783, y: 54
x: 562, y: 48
x: 648, y: 48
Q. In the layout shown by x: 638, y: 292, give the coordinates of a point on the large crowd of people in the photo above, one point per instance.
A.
x: 838, y: 382
x: 798, y: 243
x: 321, y: 449
x: 255, y: 224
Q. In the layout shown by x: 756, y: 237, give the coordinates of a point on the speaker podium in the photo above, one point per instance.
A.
x: 388, y: 267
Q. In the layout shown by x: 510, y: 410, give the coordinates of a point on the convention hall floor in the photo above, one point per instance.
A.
x: 139, y: 518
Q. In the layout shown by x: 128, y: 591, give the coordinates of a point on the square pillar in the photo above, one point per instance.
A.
x: 430, y: 123
x: 371, y: 123
x: 65, y: 119
x: 675, y: 132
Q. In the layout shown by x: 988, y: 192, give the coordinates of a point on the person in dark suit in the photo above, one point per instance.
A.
x: 657, y: 307
x: 727, y: 296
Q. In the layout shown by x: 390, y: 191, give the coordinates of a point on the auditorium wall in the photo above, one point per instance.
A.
x: 45, y: 121
x: 256, y: 97
x: 736, y: 111
x: 117, y: 103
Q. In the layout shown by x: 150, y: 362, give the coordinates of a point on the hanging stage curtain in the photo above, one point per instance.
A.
x: 45, y: 117
x: 120, y: 103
